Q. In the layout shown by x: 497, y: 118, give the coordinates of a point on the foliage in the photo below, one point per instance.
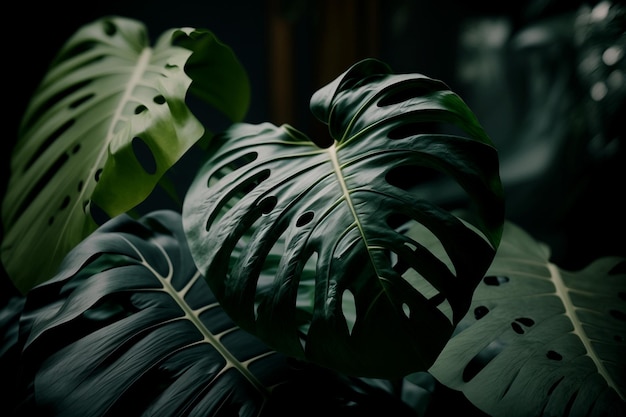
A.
x: 283, y: 228
x: 327, y: 275
x: 106, y: 123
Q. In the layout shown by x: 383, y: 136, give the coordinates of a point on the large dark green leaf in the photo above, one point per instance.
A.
x: 129, y: 327
x: 108, y: 120
x: 539, y: 340
x: 301, y: 244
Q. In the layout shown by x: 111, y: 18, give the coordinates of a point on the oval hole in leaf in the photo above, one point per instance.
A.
x: 517, y: 328
x: 480, y: 312
x: 555, y: 356
x: 406, y: 309
x: 304, y: 219
x: 144, y: 155
x: 267, y: 204
x: 109, y: 28
x: 526, y: 321
x: 495, y: 280
x: 348, y: 307
x: 65, y: 203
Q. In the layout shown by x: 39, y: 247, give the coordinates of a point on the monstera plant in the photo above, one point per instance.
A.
x: 362, y: 273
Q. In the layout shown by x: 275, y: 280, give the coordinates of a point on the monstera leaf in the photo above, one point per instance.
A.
x: 302, y: 244
x: 106, y: 123
x: 541, y: 341
x: 129, y: 327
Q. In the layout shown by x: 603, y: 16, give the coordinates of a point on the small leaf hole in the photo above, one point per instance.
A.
x: 109, y: 28
x: 267, y: 204
x: 65, y: 202
x: 406, y: 309
x: 348, y: 307
x: 555, y: 356
x: 480, y: 312
x: 517, y: 328
x: 526, y: 321
x: 304, y: 219
x: 495, y: 280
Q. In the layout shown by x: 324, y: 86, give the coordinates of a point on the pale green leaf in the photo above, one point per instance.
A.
x: 539, y: 340
x: 107, y: 121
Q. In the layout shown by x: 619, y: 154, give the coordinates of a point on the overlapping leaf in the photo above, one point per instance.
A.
x: 108, y: 120
x: 539, y: 340
x: 302, y: 244
x: 129, y: 327
x: 129, y: 324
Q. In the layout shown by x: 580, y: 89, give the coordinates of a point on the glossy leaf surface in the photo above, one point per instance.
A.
x: 302, y: 244
x: 129, y: 327
x: 539, y: 340
x: 108, y: 120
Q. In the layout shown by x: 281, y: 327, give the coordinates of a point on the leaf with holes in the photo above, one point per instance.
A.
x: 108, y: 120
x: 303, y: 245
x: 541, y: 341
x: 129, y: 327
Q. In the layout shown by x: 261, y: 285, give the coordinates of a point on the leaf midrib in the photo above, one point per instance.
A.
x: 570, y: 311
x: 332, y: 152
x: 193, y: 316
x: 135, y: 78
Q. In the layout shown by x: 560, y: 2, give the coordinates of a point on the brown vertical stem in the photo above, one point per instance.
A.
x: 281, y: 65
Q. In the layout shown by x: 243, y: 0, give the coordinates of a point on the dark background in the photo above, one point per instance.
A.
x: 529, y: 92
